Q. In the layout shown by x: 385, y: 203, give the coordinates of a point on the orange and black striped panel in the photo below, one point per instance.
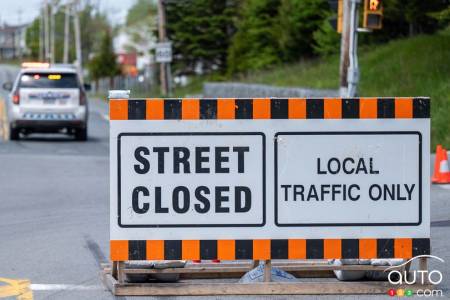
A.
x: 269, y: 108
x: 268, y: 249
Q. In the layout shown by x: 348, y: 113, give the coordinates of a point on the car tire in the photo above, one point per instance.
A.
x: 14, y: 134
x: 81, y: 134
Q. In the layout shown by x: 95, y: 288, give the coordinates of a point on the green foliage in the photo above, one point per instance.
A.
x: 255, y: 44
x: 32, y: 39
x: 200, y: 32
x: 141, y: 12
x: 296, y: 22
x: 104, y: 63
x: 327, y: 40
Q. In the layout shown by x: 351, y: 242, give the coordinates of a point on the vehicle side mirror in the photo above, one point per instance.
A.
x: 7, y: 86
x: 87, y: 87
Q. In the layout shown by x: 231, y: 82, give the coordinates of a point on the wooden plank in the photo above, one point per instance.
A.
x: 120, y: 272
x: 192, y: 269
x: 263, y: 288
x: 267, y: 271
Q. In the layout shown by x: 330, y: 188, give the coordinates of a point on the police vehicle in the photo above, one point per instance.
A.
x: 47, y: 98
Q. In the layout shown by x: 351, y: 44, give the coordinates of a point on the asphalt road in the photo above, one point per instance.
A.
x: 54, y: 208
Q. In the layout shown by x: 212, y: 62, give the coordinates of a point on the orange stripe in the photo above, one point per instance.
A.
x: 261, y: 249
x: 190, y: 249
x: 332, y: 108
x: 297, y: 108
x: 403, y: 108
x: 225, y: 109
x: 261, y: 108
x: 332, y: 248
x: 155, y: 109
x: 190, y: 109
x: 118, y: 109
x: 368, y: 108
x: 118, y: 250
x: 296, y: 249
x: 155, y: 250
x: 403, y: 248
x: 225, y: 249
x: 367, y: 248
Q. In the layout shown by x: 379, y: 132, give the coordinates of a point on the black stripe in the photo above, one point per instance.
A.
x: 172, y: 249
x: 136, y: 109
x: 314, y: 249
x: 350, y: 108
x: 314, y: 108
x: 137, y: 250
x: 279, y: 108
x: 172, y: 109
x: 350, y: 248
x: 421, y: 247
x: 244, y: 109
x: 386, y: 108
x: 208, y: 109
x: 279, y: 249
x: 421, y: 108
x: 208, y: 249
x: 385, y: 248
x: 244, y: 249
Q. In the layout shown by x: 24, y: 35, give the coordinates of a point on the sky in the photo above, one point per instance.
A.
x: 13, y: 12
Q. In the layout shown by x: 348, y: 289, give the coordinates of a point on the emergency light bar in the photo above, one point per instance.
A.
x: 39, y: 65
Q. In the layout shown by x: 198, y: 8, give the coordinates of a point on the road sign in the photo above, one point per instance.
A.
x: 292, y: 178
x: 163, y: 52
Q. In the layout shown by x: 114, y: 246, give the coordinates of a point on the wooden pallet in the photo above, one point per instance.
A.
x: 222, y: 279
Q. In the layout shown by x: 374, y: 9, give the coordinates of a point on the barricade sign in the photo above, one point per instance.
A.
x: 269, y: 178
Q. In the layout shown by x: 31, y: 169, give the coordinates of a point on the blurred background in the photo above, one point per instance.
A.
x: 274, y: 43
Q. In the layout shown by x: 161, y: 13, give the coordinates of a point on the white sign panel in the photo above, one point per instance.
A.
x: 348, y: 179
x: 191, y: 179
x: 163, y: 52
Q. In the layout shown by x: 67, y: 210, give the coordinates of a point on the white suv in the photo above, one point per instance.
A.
x: 47, y: 98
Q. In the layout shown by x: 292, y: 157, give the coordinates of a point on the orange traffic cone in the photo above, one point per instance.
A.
x: 437, y: 163
x: 444, y: 172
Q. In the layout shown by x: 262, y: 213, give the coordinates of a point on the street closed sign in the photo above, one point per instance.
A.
x: 269, y: 178
x: 191, y: 179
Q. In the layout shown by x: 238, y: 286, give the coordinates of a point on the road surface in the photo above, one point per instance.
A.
x: 54, y: 212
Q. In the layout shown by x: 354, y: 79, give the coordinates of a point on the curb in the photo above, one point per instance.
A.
x: 3, y: 121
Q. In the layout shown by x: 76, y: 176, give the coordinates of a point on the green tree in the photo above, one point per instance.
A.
x: 297, y: 20
x: 200, y: 31
x: 255, y: 44
x: 32, y: 39
x: 104, y: 63
x: 326, y: 39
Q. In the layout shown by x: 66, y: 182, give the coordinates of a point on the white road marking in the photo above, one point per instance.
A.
x: 61, y: 287
x: 444, y: 186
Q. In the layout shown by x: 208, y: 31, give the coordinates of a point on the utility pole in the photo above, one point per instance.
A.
x: 66, y: 34
x: 353, y: 68
x: 52, y: 33
x: 46, y: 32
x: 76, y: 25
x: 41, y: 37
x: 162, y: 38
x: 348, y: 68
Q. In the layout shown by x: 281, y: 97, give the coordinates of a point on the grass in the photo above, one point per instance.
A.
x: 418, y: 66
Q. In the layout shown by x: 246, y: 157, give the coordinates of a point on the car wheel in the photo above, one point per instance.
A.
x: 14, y: 134
x: 81, y: 134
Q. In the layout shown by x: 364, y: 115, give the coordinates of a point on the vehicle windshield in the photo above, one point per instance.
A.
x: 49, y: 80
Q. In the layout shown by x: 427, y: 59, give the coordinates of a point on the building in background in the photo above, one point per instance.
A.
x: 13, y: 41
